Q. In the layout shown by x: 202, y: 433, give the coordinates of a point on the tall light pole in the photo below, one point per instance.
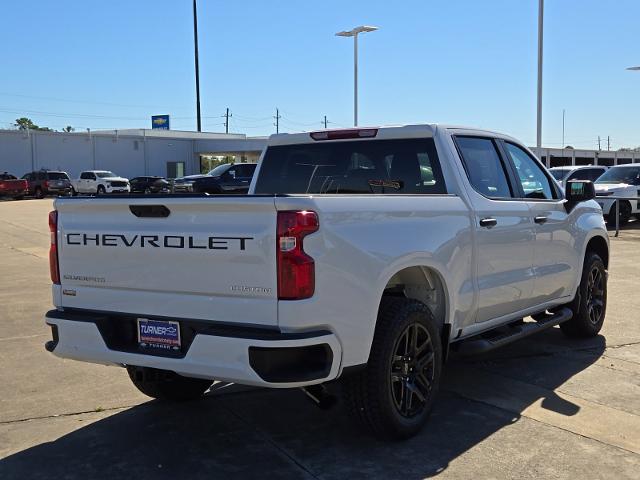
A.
x: 195, y: 45
x: 540, y: 43
x: 354, y: 33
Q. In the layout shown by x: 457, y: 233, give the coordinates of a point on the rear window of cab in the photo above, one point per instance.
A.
x: 352, y: 167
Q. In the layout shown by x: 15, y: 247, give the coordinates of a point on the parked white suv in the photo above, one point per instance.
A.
x: 619, y: 181
x: 563, y: 175
x: 100, y: 182
x: 365, y: 254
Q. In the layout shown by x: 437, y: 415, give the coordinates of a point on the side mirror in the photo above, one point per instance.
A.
x: 579, y: 191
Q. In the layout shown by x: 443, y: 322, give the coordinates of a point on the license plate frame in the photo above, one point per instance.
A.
x: 162, y: 335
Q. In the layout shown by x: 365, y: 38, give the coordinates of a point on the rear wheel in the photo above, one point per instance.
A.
x: 166, y: 385
x: 73, y: 192
x: 393, y: 396
x: 590, y: 305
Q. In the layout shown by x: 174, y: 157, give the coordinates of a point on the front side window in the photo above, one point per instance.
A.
x: 535, y: 184
x: 106, y: 174
x: 483, y: 166
x: 85, y: 176
x: 354, y: 167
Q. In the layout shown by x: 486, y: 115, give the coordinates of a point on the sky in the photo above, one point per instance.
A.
x: 106, y: 65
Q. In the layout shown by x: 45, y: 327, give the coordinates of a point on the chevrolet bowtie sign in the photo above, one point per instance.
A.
x: 160, y: 122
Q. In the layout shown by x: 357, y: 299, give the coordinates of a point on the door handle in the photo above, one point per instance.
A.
x: 540, y: 219
x: 488, y: 222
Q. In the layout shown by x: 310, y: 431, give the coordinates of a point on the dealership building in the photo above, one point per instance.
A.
x: 128, y: 153
x: 172, y: 153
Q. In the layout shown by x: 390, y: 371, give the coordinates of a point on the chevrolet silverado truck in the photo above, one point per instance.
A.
x: 364, y: 255
x: 99, y: 182
x: 619, y: 181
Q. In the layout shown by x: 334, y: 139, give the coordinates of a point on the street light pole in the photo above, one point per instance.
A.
x: 355, y: 80
x: 195, y: 44
x: 354, y: 33
x: 540, y: 44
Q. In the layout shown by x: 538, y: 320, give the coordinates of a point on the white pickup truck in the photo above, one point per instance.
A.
x: 365, y: 254
x: 620, y: 181
x: 99, y: 182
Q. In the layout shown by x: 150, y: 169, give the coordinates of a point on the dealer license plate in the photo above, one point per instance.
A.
x: 160, y: 334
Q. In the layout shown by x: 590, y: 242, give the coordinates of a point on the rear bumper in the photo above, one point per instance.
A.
x: 10, y: 192
x: 243, y: 355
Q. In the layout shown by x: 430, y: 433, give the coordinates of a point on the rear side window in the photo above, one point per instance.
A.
x: 355, y: 167
x: 586, y: 174
x: 484, y: 168
x: 58, y: 176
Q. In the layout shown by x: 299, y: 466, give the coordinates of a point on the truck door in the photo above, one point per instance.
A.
x: 555, y: 257
x: 504, y: 231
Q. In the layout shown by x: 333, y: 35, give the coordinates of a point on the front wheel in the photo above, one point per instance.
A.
x: 624, y: 214
x: 101, y: 190
x: 166, y: 385
x: 590, y: 305
x: 39, y: 193
x: 393, y: 396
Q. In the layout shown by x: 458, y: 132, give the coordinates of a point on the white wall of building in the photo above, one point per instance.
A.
x: 129, y: 153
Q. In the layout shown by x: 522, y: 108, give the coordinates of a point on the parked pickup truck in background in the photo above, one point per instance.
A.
x: 619, y: 181
x: 10, y: 186
x: 227, y: 178
x: 99, y: 182
x: 361, y: 254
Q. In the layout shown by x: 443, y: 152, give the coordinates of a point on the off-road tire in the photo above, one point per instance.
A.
x: 624, y: 214
x: 166, y: 385
x: 590, y: 305
x: 369, y: 394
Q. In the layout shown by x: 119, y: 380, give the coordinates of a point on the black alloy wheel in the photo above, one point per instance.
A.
x: 412, y: 370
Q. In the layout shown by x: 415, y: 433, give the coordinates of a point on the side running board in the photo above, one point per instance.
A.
x: 485, y: 342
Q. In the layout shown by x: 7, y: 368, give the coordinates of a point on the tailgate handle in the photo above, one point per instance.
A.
x: 150, y: 211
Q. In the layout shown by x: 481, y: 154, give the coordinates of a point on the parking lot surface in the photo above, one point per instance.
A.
x: 545, y: 407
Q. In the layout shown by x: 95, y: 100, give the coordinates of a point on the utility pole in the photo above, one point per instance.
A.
x: 226, y: 120
x: 608, y: 143
x: 598, y: 142
x: 195, y: 43
x: 277, y: 124
x: 325, y: 121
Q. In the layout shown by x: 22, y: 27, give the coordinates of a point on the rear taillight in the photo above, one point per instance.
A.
x: 46, y: 184
x: 296, y: 269
x: 53, y: 249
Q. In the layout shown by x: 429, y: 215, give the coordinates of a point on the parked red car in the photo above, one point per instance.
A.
x: 10, y: 186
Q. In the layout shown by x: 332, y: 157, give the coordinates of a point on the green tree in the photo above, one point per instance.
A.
x: 68, y: 129
x: 24, y: 123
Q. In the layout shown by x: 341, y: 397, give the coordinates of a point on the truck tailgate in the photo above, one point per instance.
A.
x: 209, y: 258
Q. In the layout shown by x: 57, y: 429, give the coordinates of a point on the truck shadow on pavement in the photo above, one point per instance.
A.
x: 244, y: 433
